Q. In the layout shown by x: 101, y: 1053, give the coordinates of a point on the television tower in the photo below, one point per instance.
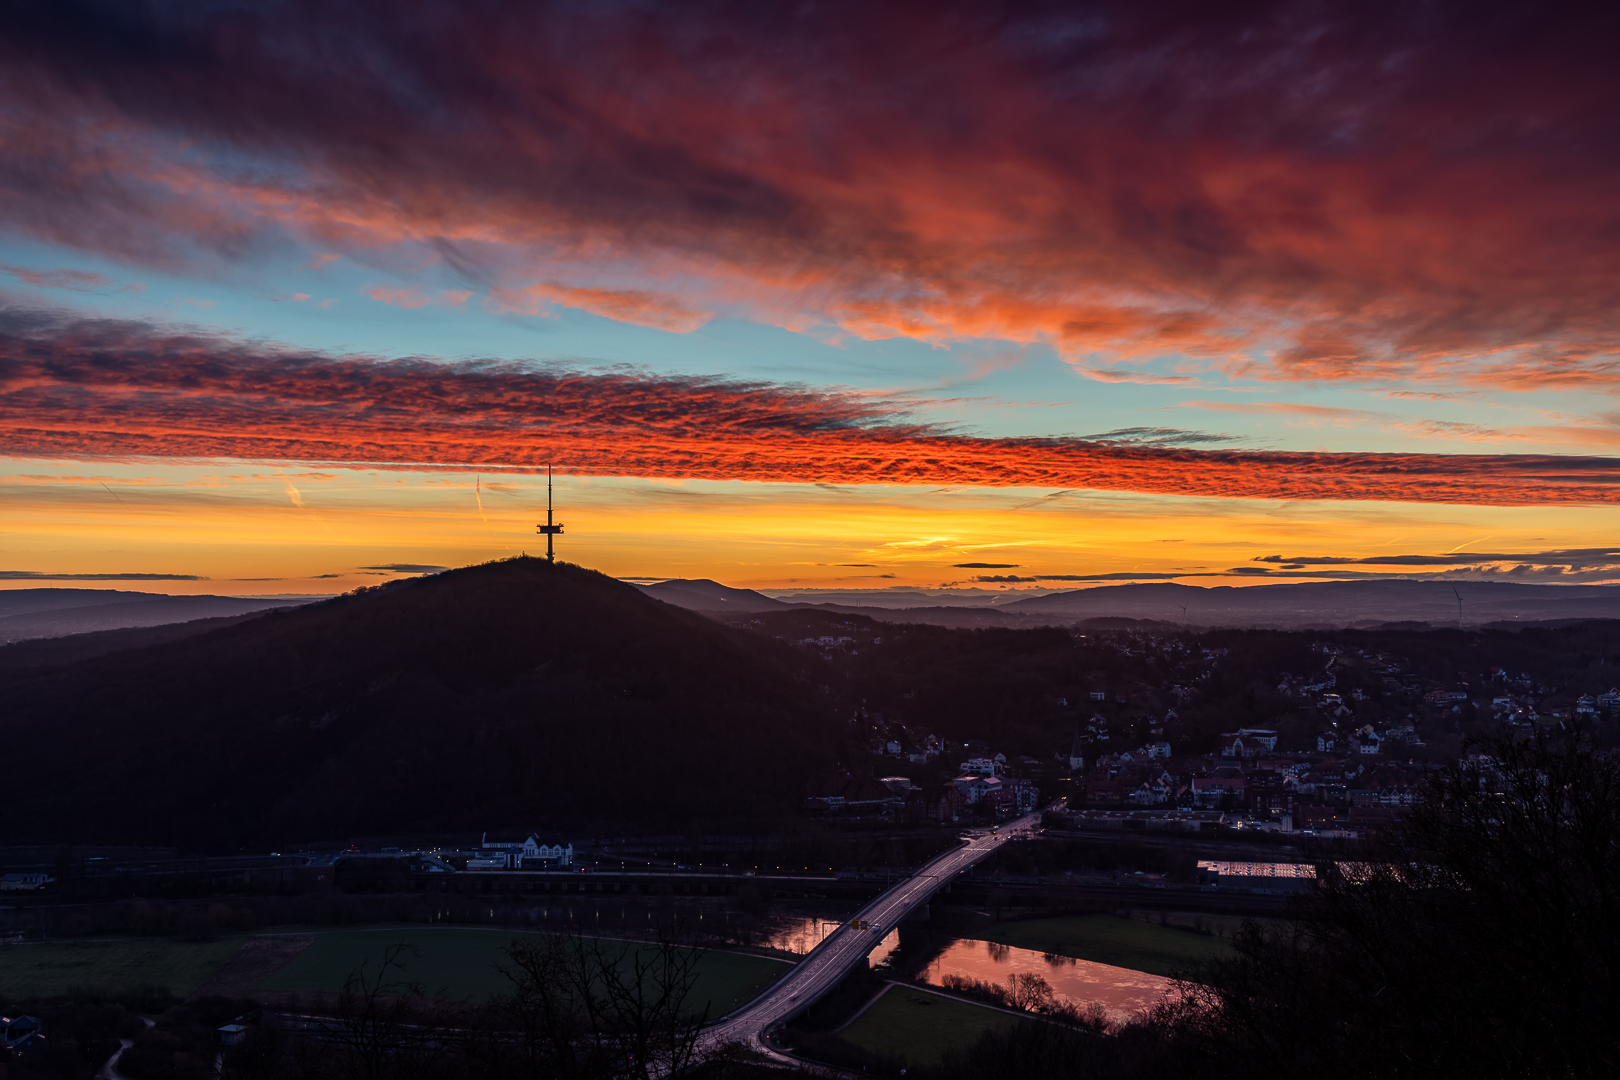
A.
x: 550, y: 530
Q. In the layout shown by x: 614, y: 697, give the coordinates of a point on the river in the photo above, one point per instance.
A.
x: 1121, y: 992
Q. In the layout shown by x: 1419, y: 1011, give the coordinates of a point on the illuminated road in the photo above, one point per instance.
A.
x: 845, y: 948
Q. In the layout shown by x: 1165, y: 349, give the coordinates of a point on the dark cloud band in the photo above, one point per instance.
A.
x: 1348, y: 189
x: 35, y: 575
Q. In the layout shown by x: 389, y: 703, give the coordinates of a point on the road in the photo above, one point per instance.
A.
x: 841, y: 951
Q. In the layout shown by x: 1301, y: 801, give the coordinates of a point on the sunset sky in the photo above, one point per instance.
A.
x: 296, y: 297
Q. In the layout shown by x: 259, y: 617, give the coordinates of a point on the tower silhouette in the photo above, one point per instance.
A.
x: 550, y: 530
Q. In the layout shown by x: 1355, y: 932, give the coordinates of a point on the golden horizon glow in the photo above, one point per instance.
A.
x: 263, y: 530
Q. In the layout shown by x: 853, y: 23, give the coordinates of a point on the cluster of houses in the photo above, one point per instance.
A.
x: 1250, y: 779
x: 1368, y: 740
x: 1358, y: 766
x: 984, y: 787
x: 1519, y: 711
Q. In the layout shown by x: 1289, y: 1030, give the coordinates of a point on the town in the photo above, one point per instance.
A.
x: 1341, y: 750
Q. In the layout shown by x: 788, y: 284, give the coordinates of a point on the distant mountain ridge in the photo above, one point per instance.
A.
x: 1331, y: 602
x: 26, y: 614
x: 1309, y: 604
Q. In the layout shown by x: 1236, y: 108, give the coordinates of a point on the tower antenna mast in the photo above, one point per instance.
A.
x: 549, y: 529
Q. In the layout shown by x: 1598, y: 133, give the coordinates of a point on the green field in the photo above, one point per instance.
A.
x: 919, y: 1027
x: 53, y: 967
x: 1109, y: 939
x: 451, y: 962
x: 463, y: 963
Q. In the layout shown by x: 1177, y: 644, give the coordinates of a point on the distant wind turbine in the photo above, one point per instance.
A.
x: 1458, y: 595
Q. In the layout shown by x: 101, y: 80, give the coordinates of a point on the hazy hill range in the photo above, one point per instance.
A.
x: 30, y: 656
x: 510, y: 694
x: 1332, y: 603
x: 43, y: 613
x: 1324, y: 604
x: 701, y: 594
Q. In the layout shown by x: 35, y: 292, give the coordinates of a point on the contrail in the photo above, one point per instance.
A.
x: 113, y: 493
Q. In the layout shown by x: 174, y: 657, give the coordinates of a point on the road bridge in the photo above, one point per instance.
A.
x: 847, y: 947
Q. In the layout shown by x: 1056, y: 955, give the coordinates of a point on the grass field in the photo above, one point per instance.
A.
x: 53, y: 967
x: 920, y: 1027
x: 1109, y: 939
x: 464, y: 964
x: 452, y: 962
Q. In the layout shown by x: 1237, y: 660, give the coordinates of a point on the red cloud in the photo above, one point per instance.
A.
x: 1346, y: 190
x: 99, y: 389
x: 76, y: 280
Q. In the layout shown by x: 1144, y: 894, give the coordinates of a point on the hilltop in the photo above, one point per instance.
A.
x: 702, y: 594
x: 513, y: 694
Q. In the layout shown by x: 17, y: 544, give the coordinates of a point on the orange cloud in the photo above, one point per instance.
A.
x: 100, y: 389
x: 625, y: 305
x: 402, y: 298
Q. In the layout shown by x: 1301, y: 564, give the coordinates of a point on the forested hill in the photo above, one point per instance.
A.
x: 513, y: 694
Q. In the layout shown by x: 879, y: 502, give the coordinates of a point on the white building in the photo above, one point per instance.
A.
x: 974, y: 787
x: 526, y: 854
x: 21, y: 882
x: 1247, y: 742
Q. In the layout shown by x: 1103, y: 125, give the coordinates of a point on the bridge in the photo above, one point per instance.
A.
x: 841, y: 951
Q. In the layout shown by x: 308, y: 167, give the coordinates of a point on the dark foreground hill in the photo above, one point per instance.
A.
x: 514, y: 694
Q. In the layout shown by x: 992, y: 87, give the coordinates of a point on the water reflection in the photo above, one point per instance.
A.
x: 798, y: 935
x: 1120, y: 991
x: 885, y: 949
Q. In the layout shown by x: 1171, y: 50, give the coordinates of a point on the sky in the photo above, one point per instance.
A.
x: 297, y: 297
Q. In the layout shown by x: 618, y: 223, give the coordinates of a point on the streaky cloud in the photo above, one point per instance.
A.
x: 94, y: 389
x: 38, y: 575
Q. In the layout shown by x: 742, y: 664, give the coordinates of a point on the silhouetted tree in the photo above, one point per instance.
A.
x: 1480, y: 939
x: 587, y: 1009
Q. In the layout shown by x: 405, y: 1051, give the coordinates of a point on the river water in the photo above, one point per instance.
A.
x: 1120, y: 991
x: 798, y: 935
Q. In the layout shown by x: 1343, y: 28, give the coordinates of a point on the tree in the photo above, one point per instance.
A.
x: 587, y: 1009
x: 385, y: 1028
x: 1480, y: 939
x: 1029, y: 991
